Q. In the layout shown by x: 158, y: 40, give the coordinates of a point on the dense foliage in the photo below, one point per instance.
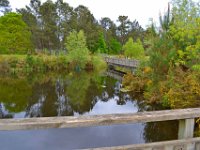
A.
x: 133, y: 49
x: 77, y: 49
x: 46, y: 26
x: 52, y: 22
x: 171, y: 76
x: 14, y: 34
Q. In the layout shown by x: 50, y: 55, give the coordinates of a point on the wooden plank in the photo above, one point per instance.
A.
x: 97, y: 120
x: 166, y: 145
x: 186, y: 128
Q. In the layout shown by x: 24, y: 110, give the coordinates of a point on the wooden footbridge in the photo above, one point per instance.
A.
x: 121, y: 62
x: 186, y: 119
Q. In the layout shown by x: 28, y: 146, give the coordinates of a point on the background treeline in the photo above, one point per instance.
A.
x: 46, y: 26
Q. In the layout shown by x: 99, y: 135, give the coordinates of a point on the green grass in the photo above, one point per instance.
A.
x: 41, y: 62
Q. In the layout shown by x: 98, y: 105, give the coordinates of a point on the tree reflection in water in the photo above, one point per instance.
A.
x: 160, y: 131
x: 75, y: 94
x: 3, y: 113
x: 54, y: 95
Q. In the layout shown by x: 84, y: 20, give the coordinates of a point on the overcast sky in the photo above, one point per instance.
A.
x: 141, y: 10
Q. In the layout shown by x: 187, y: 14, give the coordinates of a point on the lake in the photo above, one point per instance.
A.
x: 74, y: 94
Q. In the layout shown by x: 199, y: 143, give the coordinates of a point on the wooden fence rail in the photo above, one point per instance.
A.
x: 186, y: 119
x: 183, y: 144
x: 98, y: 120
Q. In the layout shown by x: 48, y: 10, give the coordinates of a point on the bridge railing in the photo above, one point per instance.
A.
x: 186, y: 119
x: 122, y: 61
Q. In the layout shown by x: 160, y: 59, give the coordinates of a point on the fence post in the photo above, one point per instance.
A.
x: 186, y: 128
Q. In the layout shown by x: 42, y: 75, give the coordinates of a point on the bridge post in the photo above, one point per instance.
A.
x: 186, y: 128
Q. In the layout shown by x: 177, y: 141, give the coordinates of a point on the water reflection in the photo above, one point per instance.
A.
x: 160, y: 131
x: 4, y: 113
x: 69, y: 139
x: 72, y: 95
x: 57, y: 95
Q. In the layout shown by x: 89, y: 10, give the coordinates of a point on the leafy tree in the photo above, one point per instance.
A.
x: 106, y: 23
x: 136, y: 31
x: 49, y: 25
x: 150, y: 36
x: 185, y: 32
x: 14, y: 34
x: 162, y: 55
x: 133, y: 49
x: 65, y: 21
x: 32, y: 23
x: 4, y: 6
x: 31, y: 16
x: 123, y: 28
x: 109, y: 30
x: 77, y: 49
x: 87, y: 23
x: 115, y: 47
x: 102, y: 44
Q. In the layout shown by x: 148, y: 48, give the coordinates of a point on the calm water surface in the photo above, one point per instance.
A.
x: 73, y: 94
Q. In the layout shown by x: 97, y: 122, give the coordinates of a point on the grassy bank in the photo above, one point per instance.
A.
x: 44, y: 63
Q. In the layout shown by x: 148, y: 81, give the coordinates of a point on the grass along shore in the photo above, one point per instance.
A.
x: 42, y: 63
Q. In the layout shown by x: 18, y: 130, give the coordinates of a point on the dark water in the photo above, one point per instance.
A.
x: 72, y: 94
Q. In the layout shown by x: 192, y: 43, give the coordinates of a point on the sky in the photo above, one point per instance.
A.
x: 141, y: 10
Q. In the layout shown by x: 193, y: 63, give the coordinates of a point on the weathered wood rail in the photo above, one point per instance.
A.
x: 184, y: 144
x: 122, y: 62
x: 186, y: 126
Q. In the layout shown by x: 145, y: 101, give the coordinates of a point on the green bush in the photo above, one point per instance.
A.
x: 133, y: 49
x: 98, y: 63
x: 77, y: 50
x: 15, y: 38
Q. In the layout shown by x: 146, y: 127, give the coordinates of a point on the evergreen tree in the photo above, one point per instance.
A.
x: 136, y: 31
x: 65, y: 21
x: 102, y: 48
x: 87, y: 23
x: 165, y: 21
x: 123, y: 28
x: 32, y: 17
x: 109, y: 30
x: 115, y: 47
x: 49, y: 25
